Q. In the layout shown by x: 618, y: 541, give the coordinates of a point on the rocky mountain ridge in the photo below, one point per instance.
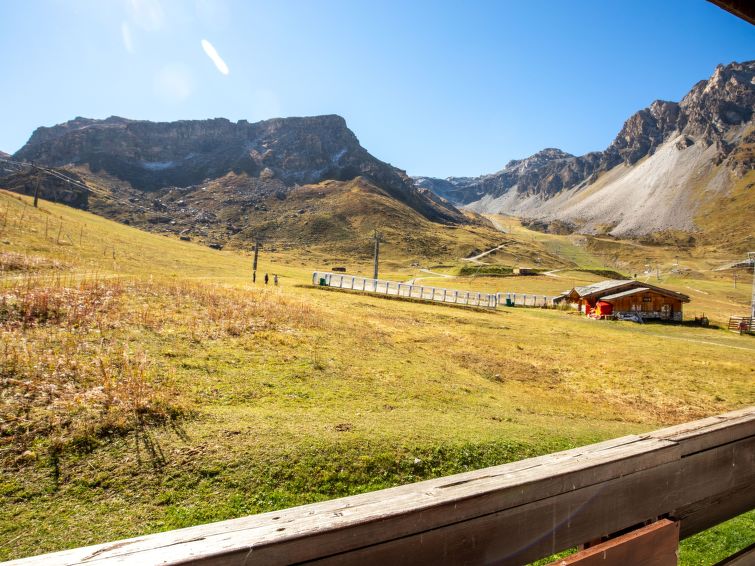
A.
x: 704, y: 136
x: 277, y: 154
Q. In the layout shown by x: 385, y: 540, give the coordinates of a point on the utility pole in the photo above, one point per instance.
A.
x: 254, y: 263
x: 377, y: 236
x: 751, y: 257
x: 36, y: 194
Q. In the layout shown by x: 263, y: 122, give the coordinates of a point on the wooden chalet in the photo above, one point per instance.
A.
x: 626, y: 298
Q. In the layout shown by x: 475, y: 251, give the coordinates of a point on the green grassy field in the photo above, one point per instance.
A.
x: 148, y: 385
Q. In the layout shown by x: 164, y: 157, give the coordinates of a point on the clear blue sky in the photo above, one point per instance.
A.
x: 437, y: 88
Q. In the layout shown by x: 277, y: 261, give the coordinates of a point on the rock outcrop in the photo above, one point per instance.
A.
x: 285, y: 152
x: 675, y: 144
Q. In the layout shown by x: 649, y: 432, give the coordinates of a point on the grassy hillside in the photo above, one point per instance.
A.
x: 727, y: 222
x: 148, y: 385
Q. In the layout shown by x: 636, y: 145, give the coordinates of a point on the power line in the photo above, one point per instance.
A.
x: 52, y: 172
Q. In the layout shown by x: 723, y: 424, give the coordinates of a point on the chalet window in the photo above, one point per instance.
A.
x: 647, y: 299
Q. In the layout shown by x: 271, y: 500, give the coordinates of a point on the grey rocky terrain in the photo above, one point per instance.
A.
x: 665, y: 162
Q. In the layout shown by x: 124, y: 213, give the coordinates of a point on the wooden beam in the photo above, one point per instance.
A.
x: 740, y: 8
x: 653, y: 545
x: 745, y: 557
x: 711, y: 511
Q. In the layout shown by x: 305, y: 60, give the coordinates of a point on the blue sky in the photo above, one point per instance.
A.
x: 436, y: 88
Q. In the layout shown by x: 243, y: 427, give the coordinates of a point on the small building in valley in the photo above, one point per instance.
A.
x: 622, y: 298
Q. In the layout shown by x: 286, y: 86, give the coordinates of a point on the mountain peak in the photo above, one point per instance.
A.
x: 538, y: 159
x: 660, y: 153
x: 285, y: 152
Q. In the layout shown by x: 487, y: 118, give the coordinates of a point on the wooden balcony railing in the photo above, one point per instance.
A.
x: 692, y: 476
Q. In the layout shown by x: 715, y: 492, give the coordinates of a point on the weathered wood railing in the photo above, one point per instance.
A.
x: 406, y: 290
x: 694, y: 475
x: 509, y: 299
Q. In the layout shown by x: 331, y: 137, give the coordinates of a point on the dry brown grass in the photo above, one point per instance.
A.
x: 60, y: 396
x: 13, y: 262
x: 69, y: 376
x: 30, y: 302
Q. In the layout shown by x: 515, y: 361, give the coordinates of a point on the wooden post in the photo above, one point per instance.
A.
x: 256, y: 254
x: 377, y: 237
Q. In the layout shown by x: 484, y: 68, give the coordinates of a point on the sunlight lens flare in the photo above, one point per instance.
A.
x: 213, y: 54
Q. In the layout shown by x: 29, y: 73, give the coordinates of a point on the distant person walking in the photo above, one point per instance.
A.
x: 275, y: 279
x: 266, y: 278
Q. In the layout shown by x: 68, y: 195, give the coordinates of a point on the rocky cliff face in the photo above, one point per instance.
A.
x: 706, y: 129
x: 282, y: 152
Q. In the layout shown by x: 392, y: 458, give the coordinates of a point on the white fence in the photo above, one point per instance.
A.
x: 524, y: 300
x: 410, y: 291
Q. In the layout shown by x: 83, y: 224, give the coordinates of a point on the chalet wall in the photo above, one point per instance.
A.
x: 649, y: 305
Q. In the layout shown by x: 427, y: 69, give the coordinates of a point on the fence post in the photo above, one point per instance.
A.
x: 444, y: 295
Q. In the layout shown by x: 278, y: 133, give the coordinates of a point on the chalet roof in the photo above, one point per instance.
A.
x: 602, y: 286
x: 649, y: 288
x: 625, y: 293
x: 603, y: 289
